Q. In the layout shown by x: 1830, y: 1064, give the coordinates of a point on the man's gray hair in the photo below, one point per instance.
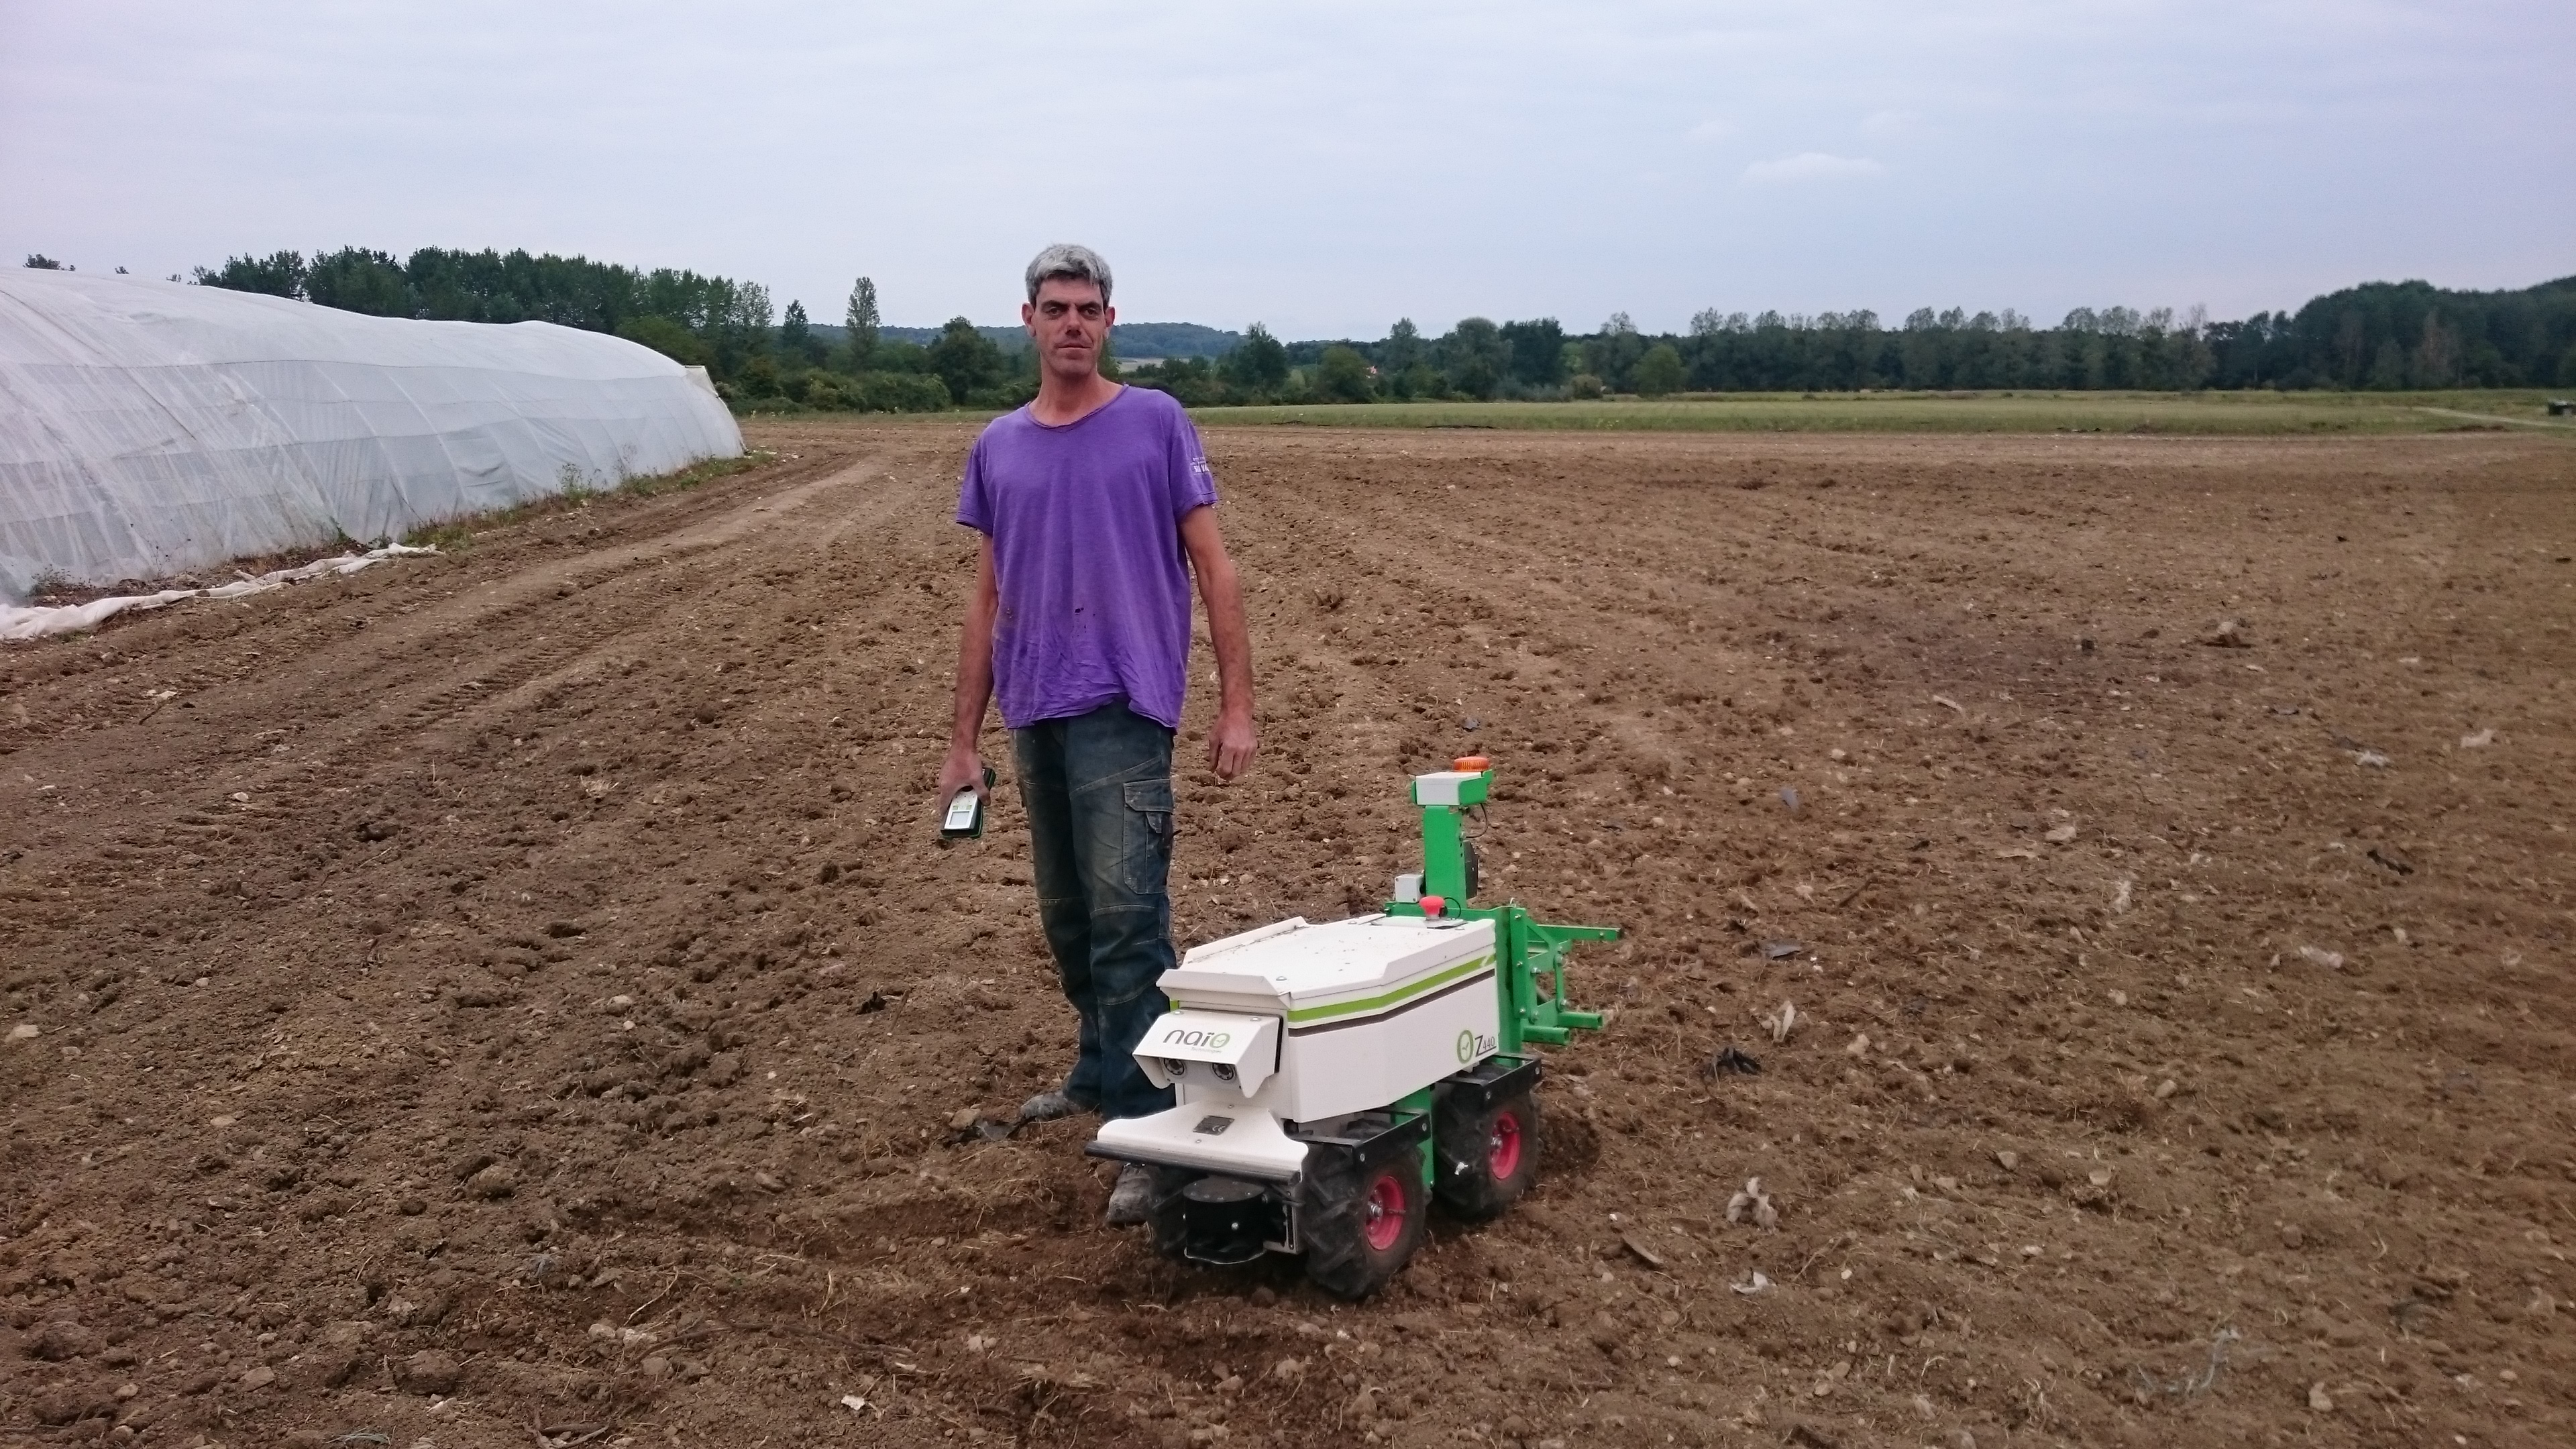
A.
x: 1072, y: 263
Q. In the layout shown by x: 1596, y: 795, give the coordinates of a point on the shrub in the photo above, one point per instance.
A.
x: 760, y: 377
x: 894, y: 392
x: 1659, y: 372
x: 666, y: 337
x: 1002, y: 396
x: 965, y: 359
x: 1343, y: 376
x: 1191, y: 381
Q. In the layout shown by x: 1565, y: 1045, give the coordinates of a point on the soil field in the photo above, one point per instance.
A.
x: 514, y: 998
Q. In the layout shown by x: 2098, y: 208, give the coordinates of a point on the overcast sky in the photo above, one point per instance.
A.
x: 1326, y: 167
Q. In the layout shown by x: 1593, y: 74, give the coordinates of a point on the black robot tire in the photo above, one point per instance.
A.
x: 1361, y: 1225
x: 1170, y: 1232
x: 1487, y: 1157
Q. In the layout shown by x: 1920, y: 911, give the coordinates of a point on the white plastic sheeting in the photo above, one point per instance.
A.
x: 18, y: 625
x: 150, y: 428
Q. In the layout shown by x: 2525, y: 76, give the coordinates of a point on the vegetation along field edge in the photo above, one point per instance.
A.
x: 2382, y: 338
x: 2205, y: 414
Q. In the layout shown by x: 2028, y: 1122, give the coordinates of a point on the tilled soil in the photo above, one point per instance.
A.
x: 516, y: 996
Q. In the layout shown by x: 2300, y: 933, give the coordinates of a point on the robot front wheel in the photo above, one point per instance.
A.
x: 1361, y: 1224
x: 1358, y: 1223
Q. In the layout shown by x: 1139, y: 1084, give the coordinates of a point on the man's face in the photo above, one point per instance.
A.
x: 1068, y: 322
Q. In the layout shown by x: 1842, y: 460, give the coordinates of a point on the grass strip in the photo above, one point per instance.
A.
x: 2211, y: 414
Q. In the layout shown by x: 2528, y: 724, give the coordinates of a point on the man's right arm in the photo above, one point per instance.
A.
x: 965, y: 763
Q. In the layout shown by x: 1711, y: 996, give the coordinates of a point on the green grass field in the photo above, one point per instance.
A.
x: 2182, y: 414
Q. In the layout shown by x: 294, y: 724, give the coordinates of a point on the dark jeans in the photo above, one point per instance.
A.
x: 1098, y: 788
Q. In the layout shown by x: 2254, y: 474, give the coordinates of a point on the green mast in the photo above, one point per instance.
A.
x: 1531, y: 981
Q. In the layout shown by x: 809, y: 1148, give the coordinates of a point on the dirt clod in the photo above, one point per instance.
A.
x: 430, y: 1371
x: 64, y: 1402
x: 61, y: 1340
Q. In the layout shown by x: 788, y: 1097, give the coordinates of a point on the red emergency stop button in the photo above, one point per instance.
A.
x: 1433, y: 907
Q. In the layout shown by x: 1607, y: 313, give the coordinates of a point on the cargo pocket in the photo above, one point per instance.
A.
x: 1149, y: 836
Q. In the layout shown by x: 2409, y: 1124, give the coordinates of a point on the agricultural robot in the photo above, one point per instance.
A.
x: 1333, y: 1081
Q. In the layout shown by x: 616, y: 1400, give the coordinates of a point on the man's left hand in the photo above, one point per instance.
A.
x: 1232, y: 743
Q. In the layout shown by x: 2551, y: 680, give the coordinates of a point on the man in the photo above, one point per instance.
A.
x: 1096, y: 506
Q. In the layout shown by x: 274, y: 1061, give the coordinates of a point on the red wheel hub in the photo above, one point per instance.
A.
x: 1503, y: 1149
x: 1382, y: 1216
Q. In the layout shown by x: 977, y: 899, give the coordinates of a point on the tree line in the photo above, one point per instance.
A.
x: 756, y: 359
x: 2382, y: 336
x: 2403, y: 335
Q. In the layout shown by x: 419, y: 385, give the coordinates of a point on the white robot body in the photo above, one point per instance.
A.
x: 1280, y: 1032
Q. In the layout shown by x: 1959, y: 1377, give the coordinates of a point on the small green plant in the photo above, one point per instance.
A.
x: 691, y: 477
x: 446, y: 537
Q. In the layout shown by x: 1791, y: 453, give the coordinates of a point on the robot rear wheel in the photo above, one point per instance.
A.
x: 1487, y: 1156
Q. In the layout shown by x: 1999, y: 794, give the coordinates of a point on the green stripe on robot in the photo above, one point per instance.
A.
x: 1299, y: 1015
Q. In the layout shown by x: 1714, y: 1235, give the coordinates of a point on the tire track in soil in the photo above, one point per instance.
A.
x: 341, y: 729
x: 345, y: 676
x: 621, y: 951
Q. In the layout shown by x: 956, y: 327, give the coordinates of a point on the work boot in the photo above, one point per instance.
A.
x: 1132, y: 1200
x: 1050, y: 1104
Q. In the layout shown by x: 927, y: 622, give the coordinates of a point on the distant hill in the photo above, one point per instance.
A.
x: 1173, y: 339
x: 1133, y: 339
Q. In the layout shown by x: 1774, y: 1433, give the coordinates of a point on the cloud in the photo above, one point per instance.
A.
x: 168, y: 134
x: 1813, y: 166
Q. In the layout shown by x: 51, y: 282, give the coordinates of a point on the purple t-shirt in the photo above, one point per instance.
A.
x: 1086, y: 527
